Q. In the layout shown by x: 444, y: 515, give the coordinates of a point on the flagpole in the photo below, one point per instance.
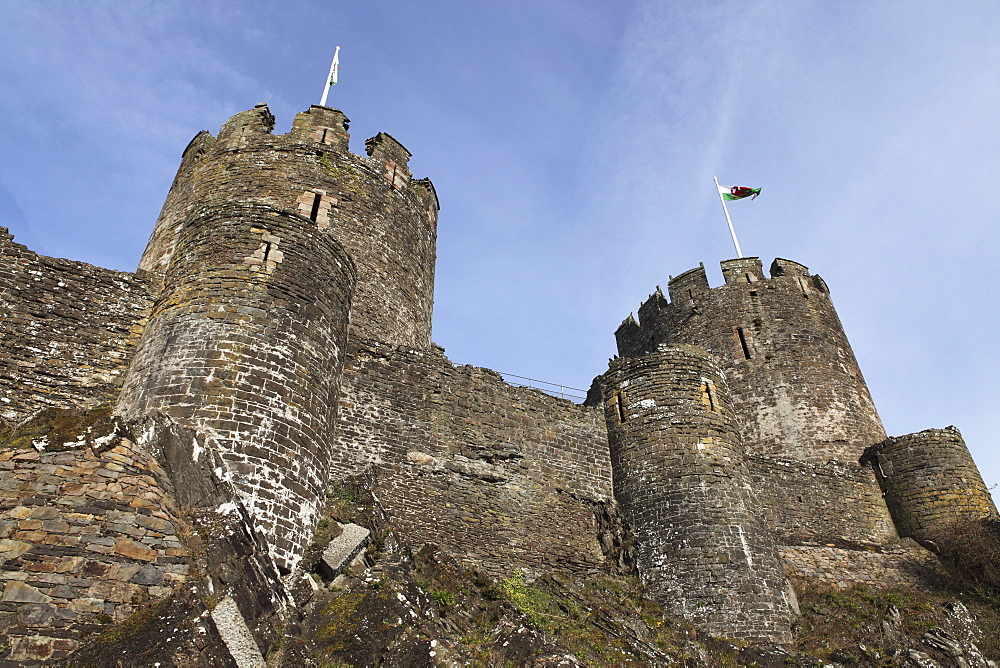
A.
x: 329, y: 77
x: 729, y: 220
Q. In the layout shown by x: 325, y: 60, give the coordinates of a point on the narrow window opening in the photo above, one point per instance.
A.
x: 691, y: 297
x: 743, y: 342
x: 267, y: 250
x: 708, y: 396
x: 800, y: 499
x: 753, y: 293
x: 750, y: 278
x: 621, y: 406
x: 392, y: 179
x: 323, y: 140
x: 317, y: 198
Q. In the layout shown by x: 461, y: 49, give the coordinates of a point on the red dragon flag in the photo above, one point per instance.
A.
x: 730, y: 193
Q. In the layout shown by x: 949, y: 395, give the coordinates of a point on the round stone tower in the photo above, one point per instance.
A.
x: 385, y: 219
x: 681, y: 477
x: 245, y: 344
x: 797, y: 390
x: 271, y: 251
x: 929, y: 481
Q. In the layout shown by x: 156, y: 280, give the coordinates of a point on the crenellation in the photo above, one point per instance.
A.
x: 742, y: 271
x: 256, y: 121
x: 323, y: 125
x: 690, y: 287
x: 783, y: 267
x: 798, y: 390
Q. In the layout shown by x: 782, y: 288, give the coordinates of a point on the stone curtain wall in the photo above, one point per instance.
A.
x: 820, y: 504
x: 502, y: 477
x: 797, y: 390
x: 386, y: 220
x: 245, y: 345
x: 930, y: 481
x: 86, y: 539
x: 67, y: 330
x: 702, y: 545
x: 905, y: 564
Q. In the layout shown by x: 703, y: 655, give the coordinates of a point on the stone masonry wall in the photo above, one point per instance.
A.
x: 797, y: 390
x: 930, y: 481
x: 385, y: 219
x: 67, y: 330
x: 821, y: 504
x: 245, y: 345
x: 702, y: 545
x: 904, y: 564
x: 89, y: 534
x: 501, y: 477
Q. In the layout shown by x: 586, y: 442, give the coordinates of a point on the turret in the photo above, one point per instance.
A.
x: 270, y: 252
x: 385, y: 219
x: 245, y: 344
x: 930, y: 482
x: 681, y: 477
x: 797, y: 390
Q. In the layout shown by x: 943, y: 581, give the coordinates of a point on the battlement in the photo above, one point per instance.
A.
x: 689, y: 285
x: 310, y: 172
x: 322, y: 125
x: 742, y: 270
x: 761, y: 330
x: 256, y: 121
x: 690, y: 292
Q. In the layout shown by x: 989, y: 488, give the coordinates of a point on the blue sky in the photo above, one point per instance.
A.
x: 572, y: 145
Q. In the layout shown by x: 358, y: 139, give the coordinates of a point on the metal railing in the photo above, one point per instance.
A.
x: 555, y: 389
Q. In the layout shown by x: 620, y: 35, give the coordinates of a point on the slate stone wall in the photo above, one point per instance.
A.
x: 680, y: 475
x: 89, y: 534
x: 502, y: 477
x: 245, y: 345
x: 904, y: 564
x: 796, y: 387
x: 929, y: 480
x: 386, y: 220
x: 821, y: 504
x: 67, y: 330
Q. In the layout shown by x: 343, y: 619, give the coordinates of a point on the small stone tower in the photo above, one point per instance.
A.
x: 797, y: 390
x: 703, y: 547
x: 269, y: 253
x: 929, y: 481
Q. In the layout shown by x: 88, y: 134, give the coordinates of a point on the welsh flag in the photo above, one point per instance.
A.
x: 729, y: 193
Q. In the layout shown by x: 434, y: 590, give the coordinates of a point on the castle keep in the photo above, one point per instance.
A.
x: 274, y: 346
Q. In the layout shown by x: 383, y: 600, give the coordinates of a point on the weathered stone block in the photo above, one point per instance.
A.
x: 343, y: 548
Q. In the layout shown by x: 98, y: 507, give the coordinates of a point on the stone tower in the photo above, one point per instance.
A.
x: 797, y: 390
x: 681, y: 476
x: 385, y: 219
x: 269, y: 253
x: 929, y: 481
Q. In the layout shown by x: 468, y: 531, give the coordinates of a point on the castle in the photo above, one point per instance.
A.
x: 276, y: 341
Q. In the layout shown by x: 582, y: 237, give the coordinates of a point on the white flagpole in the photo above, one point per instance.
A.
x: 729, y: 220
x: 331, y: 78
